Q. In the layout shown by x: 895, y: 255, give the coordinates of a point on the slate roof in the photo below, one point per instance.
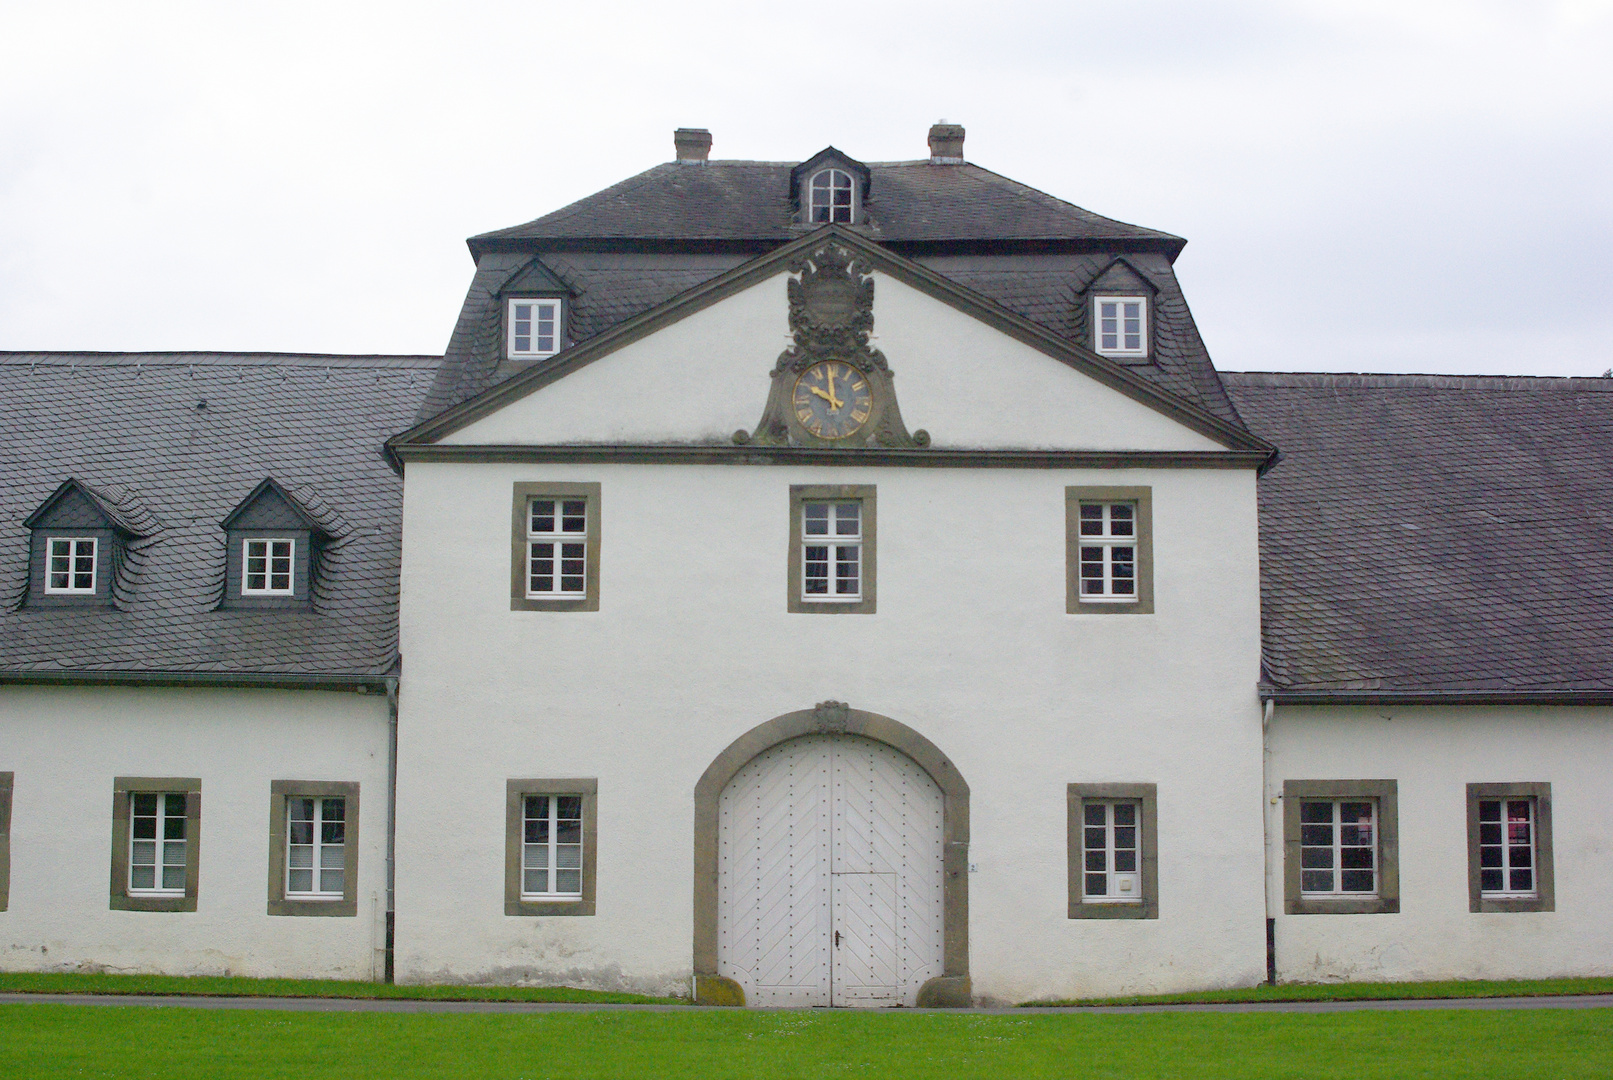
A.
x: 131, y: 426
x: 908, y: 201
x: 1434, y: 533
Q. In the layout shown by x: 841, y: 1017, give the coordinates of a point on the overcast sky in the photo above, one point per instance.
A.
x: 1367, y: 185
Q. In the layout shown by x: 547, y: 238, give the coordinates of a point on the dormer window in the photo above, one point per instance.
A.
x: 81, y: 536
x: 831, y: 197
x: 535, y: 327
x: 268, y: 567
x: 1120, y: 325
x: 273, y: 544
x: 72, y: 565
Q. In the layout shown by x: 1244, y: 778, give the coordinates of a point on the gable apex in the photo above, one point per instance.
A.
x: 73, y: 501
x: 1120, y: 276
x: 273, y: 504
x: 535, y: 277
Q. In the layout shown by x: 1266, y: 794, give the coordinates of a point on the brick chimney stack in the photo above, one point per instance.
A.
x: 694, y: 145
x: 946, y: 144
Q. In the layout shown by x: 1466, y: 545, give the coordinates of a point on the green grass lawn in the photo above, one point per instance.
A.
x: 48, y: 1040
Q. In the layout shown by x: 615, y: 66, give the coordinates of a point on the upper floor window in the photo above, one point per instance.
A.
x: 266, y: 568
x: 832, y: 532
x: 556, y: 547
x: 1120, y: 325
x: 72, y: 565
x: 535, y: 327
x: 830, y: 195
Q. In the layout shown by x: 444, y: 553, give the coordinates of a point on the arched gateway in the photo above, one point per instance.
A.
x: 831, y: 858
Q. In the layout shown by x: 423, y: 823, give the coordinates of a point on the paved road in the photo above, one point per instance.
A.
x: 1588, y: 1001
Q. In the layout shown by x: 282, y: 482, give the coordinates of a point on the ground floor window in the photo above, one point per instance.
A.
x: 550, y: 836
x: 1340, y: 847
x: 313, y: 847
x: 1114, y: 851
x: 156, y: 822
x: 1509, y: 847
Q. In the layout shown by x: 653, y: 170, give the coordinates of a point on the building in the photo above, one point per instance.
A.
x: 827, y: 582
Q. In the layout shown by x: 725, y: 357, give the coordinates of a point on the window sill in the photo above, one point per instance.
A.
x: 1366, y: 905
x: 342, y: 908
x: 1511, y: 905
x: 1111, y: 909
x: 124, y: 902
x: 578, y: 603
x: 548, y: 907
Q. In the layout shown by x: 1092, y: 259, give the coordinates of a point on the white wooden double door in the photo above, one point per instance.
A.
x: 829, y: 885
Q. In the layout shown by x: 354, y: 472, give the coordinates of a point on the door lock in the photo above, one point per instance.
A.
x: 837, y: 939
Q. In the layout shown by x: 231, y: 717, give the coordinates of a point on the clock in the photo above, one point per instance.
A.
x: 832, y: 399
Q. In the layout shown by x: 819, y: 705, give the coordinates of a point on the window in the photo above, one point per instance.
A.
x: 535, y: 328
x: 549, y: 854
x: 1120, y: 325
x: 551, y: 847
x: 1109, y: 534
x: 831, y: 196
x: 72, y: 565
x: 6, y: 779
x: 1509, y: 850
x: 266, y: 567
x: 313, y: 847
x: 1340, y: 847
x: 831, y: 549
x: 1113, y: 851
x: 155, y: 822
x: 555, y: 557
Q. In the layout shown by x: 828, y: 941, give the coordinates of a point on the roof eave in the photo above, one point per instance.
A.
x: 1283, y: 696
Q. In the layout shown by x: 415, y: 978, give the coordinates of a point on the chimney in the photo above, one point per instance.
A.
x: 946, y: 144
x: 694, y: 145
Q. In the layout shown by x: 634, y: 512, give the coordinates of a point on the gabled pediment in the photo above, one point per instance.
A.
x: 270, y: 506
x: 1121, y: 277
x: 77, y: 505
x: 535, y: 279
x: 695, y: 370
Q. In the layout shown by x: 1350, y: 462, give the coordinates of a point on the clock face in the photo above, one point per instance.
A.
x: 832, y: 400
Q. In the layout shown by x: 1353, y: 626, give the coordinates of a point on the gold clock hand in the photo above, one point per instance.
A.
x: 834, y: 402
x: 824, y: 396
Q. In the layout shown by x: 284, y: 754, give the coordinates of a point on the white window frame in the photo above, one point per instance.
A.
x: 1336, y: 848
x: 162, y: 844
x: 560, y: 538
x: 837, y: 547
x: 533, y: 348
x: 552, y: 848
x: 269, y: 557
x: 1120, y: 348
x: 850, y: 207
x: 317, y: 849
x: 72, y: 554
x: 1508, y: 848
x: 1106, y: 543
x: 1120, y: 886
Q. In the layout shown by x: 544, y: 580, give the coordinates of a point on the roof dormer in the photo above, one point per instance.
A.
x: 829, y: 187
x: 1115, y: 313
x: 535, y: 303
x: 272, y: 551
x: 80, y: 536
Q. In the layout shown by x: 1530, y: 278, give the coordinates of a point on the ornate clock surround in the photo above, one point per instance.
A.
x: 831, y: 297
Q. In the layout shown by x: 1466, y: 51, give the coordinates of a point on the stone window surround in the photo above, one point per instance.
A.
x: 122, y: 788
x: 279, y: 792
x: 1073, y: 498
x: 804, y: 493
x: 514, y: 792
x: 1385, y: 794
x: 1148, y: 850
x: 6, y: 783
x: 525, y: 492
x: 1545, y: 898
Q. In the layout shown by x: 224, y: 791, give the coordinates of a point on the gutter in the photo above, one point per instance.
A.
x: 266, y: 680
x: 1435, y: 697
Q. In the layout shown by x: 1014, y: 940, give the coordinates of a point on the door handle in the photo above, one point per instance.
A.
x: 837, y: 939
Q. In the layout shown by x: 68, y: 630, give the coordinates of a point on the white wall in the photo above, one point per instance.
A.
x: 692, y: 646
x: 700, y: 379
x: 66, y: 744
x: 1434, y: 753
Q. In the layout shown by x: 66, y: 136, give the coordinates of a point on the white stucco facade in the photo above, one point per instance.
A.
x: 1433, y: 753
x: 66, y: 745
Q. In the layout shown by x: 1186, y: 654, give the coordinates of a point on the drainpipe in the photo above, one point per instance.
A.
x: 1267, y: 712
x: 391, y: 816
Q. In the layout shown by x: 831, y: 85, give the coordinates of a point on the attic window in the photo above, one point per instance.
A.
x: 72, y: 565
x: 535, y: 327
x: 830, y: 195
x: 267, y: 567
x: 1120, y: 325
